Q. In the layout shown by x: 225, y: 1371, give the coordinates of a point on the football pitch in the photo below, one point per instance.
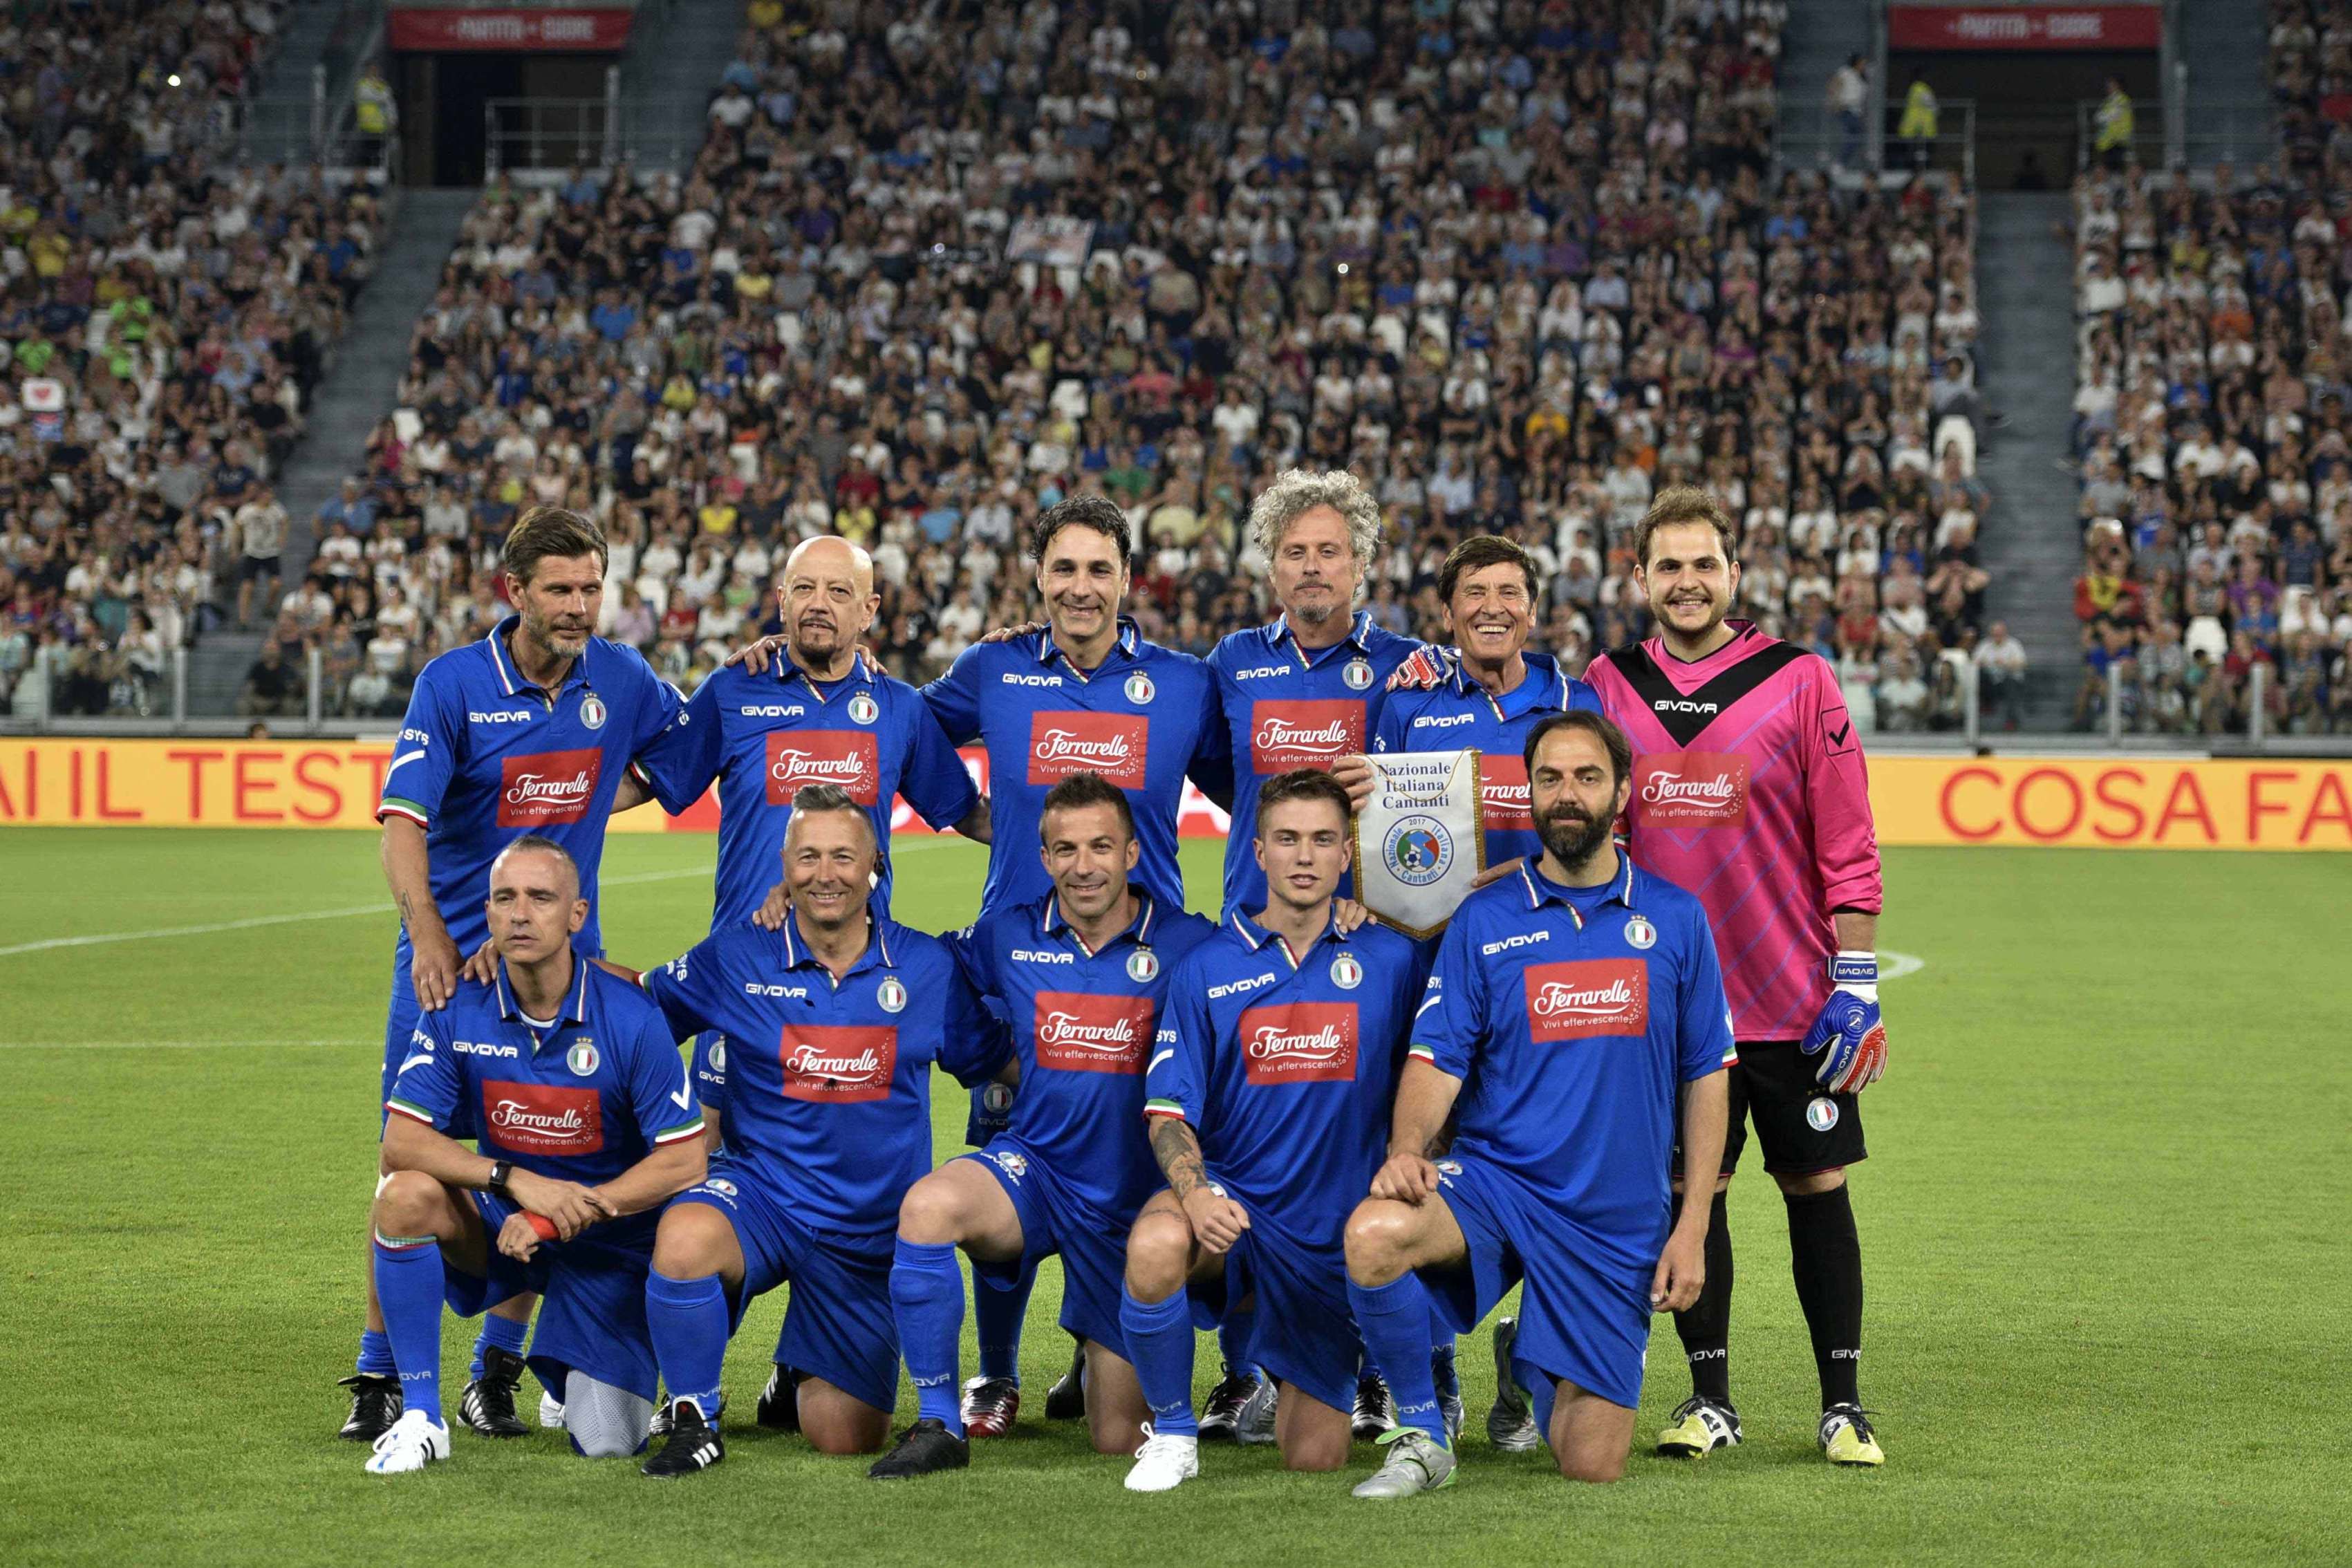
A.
x: 2104, y: 1228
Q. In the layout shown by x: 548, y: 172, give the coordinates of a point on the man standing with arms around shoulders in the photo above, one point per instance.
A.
x: 1749, y: 789
x: 1571, y: 1006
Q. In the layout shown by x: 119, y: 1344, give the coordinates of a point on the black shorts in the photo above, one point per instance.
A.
x: 250, y: 567
x: 1801, y: 1127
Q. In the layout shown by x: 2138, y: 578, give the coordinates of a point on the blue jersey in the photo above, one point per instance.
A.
x: 824, y: 1086
x: 762, y: 737
x: 1285, y: 1065
x: 1287, y: 707
x: 578, y: 1098
x: 485, y: 757
x: 1573, y: 1018
x: 1144, y: 718
x: 1083, y: 1022
x: 1460, y: 714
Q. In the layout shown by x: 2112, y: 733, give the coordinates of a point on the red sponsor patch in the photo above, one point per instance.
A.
x: 548, y: 786
x: 844, y: 757
x: 1110, y: 745
x: 834, y: 1063
x: 543, y: 1117
x: 1092, y: 1034
x: 1680, y: 788
x: 1303, y: 1042
x: 1286, y: 735
x: 1595, y: 996
x: 1503, y: 787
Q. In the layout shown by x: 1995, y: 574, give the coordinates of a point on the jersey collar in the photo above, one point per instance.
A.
x: 1542, y: 890
x: 1128, y: 641
x: 1544, y: 685
x: 511, y: 679
x: 1140, y: 929
x: 1257, y: 936
x: 787, y: 671
x: 797, y: 953
x: 575, y: 1001
x: 1360, y: 630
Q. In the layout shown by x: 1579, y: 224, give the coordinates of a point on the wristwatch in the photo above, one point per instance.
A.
x: 501, y: 1172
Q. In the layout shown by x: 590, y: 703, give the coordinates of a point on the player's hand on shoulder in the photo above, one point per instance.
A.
x: 484, y: 965
x: 756, y: 656
x: 432, y: 969
x: 1496, y: 873
x: 1013, y: 634
x: 1353, y: 773
x: 1347, y: 916
x: 1405, y: 1179
x: 774, y: 910
x: 1425, y: 670
x: 1217, y: 1221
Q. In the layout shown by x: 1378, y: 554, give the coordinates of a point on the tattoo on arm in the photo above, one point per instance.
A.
x: 1178, y: 1154
x: 401, y: 898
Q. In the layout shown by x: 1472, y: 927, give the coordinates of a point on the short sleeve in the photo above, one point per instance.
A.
x: 1176, y: 1082
x: 1211, y: 768
x: 1702, y: 1037
x: 1389, y: 728
x: 954, y: 697
x: 1581, y: 697
x: 660, y: 1095
x: 684, y: 988
x: 975, y: 1044
x: 933, y: 778
x: 1453, y: 1017
x: 427, y: 754
x: 682, y: 761
x: 711, y: 1069
x: 975, y: 957
x: 427, y: 1086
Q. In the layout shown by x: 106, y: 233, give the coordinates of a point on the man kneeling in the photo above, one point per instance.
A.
x: 587, y: 1126
x: 1573, y: 999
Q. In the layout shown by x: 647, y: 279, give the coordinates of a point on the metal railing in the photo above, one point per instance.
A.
x: 523, y: 136
x: 2165, y: 135
x: 2147, y: 143
x: 1811, y: 136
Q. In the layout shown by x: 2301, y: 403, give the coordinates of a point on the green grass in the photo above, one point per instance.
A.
x: 2105, y: 1232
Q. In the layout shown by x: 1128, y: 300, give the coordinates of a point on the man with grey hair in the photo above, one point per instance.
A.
x: 1300, y: 692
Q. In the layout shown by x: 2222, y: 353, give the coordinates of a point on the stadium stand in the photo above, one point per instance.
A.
x: 2217, y: 483
x: 163, y: 322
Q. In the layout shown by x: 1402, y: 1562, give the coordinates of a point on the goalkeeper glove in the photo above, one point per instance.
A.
x: 1429, y: 667
x: 991, y: 1113
x: 1848, y: 1036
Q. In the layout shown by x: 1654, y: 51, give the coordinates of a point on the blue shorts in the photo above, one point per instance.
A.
x: 1585, y: 1314
x: 1091, y: 1241
x: 838, y: 1324
x: 1304, y: 1335
x: 593, y: 1314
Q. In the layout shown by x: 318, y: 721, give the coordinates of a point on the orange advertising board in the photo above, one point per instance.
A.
x: 2098, y: 802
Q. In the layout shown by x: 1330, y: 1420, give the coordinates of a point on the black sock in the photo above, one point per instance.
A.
x: 1825, y: 1255
x: 1705, y: 1324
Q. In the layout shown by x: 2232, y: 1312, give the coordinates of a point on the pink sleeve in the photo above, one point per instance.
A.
x: 1837, y: 789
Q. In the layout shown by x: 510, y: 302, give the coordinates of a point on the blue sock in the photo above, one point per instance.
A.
x: 1233, y: 1336
x: 375, y: 1355
x: 687, y: 1318
x: 408, y: 1285
x: 997, y: 1315
x: 503, y: 1332
x: 1159, y: 1347
x: 1394, y: 1319
x: 926, y: 1298
x: 1442, y: 1373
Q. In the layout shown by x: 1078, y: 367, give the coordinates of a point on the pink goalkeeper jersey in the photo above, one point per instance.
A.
x: 1749, y: 790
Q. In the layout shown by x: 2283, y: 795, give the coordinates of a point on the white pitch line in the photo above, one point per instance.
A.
x: 175, y: 1045
x: 382, y: 907
x: 1895, y: 965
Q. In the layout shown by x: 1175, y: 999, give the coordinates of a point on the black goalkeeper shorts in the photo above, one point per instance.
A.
x: 1802, y: 1127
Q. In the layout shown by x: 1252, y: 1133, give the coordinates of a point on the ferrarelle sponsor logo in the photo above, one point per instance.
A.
x: 1117, y: 1033
x: 1278, y: 733
x: 1067, y: 745
x: 537, y: 789
x: 1270, y: 1041
x: 813, y: 767
x: 512, y: 1115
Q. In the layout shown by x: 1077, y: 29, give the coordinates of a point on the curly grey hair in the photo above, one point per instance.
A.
x: 1297, y: 492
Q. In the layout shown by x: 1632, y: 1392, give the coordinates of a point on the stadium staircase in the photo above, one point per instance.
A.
x: 357, y: 391
x: 678, y: 50
x: 1820, y: 36
x: 2226, y: 44
x: 304, y: 30
x: 2032, y: 544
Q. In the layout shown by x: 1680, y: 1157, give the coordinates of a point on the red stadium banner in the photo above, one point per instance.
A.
x: 432, y: 30
x: 1932, y: 27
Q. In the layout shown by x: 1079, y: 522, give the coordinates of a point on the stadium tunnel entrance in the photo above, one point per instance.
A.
x: 449, y: 101
x: 2026, y: 103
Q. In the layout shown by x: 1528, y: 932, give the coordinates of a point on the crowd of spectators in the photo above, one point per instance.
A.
x: 161, y: 322
x: 1516, y: 264
x: 2216, y: 452
x: 2311, y: 81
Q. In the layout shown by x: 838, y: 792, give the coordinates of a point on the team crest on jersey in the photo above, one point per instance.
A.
x: 1346, y: 973
x: 863, y: 708
x: 1821, y: 1113
x: 718, y: 1054
x: 1012, y: 1165
x: 890, y: 995
x: 1358, y: 675
x: 1640, y: 933
x: 996, y: 1099
x: 721, y: 1186
x: 1418, y: 850
x: 1142, y: 964
x: 592, y: 711
x: 581, y: 1058
x: 1140, y: 690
